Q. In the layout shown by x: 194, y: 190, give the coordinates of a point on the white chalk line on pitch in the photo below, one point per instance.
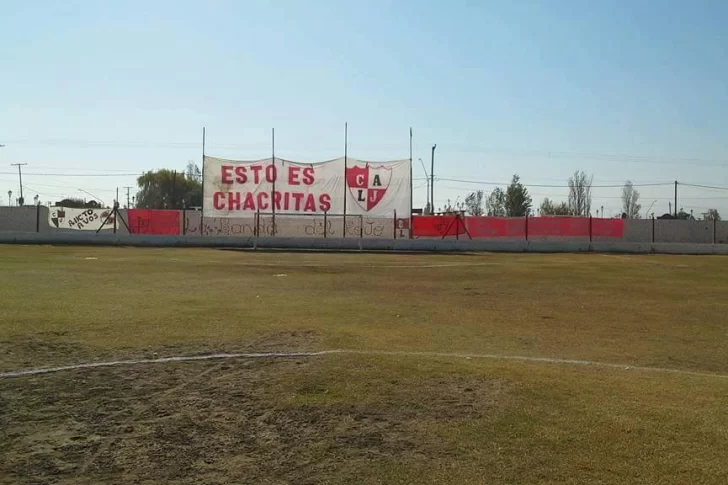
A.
x: 289, y: 355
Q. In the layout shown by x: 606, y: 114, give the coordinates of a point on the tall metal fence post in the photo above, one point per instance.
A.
x: 394, y: 227
x: 361, y: 227
x: 325, y: 220
x: 256, y: 229
x: 184, y: 221
x: 590, y: 228
x: 526, y: 227
x: 653, y: 229
x: 37, y: 219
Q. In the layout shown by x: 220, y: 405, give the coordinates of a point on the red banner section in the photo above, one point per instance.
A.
x: 558, y: 227
x: 608, y: 228
x: 437, y: 226
x: 148, y: 221
x: 538, y: 227
x: 480, y: 227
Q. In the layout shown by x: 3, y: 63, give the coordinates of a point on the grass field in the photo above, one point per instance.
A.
x: 421, y: 413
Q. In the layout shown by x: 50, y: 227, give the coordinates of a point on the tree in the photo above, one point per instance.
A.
x: 78, y: 203
x: 711, y: 215
x: 549, y: 208
x: 580, y: 194
x: 495, y: 204
x: 630, y: 196
x: 518, y: 202
x: 167, y: 189
x: 474, y: 203
x: 193, y: 172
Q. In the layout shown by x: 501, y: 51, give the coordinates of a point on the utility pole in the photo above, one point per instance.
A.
x: 676, y: 199
x: 432, y: 178
x: 20, y: 176
x: 127, y: 197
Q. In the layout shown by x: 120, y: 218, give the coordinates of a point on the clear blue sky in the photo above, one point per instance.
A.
x: 622, y: 89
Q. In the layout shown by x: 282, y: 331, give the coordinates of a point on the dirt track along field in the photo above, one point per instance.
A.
x: 367, y: 417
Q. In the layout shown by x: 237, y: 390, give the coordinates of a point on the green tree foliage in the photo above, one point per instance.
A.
x: 518, y: 202
x: 495, y: 204
x: 630, y: 197
x: 78, y: 203
x: 474, y: 203
x: 550, y: 208
x: 169, y: 189
x: 711, y: 215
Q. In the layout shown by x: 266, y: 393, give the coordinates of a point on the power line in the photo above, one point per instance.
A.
x: 656, y: 184
x: 704, y: 186
x: 76, y: 174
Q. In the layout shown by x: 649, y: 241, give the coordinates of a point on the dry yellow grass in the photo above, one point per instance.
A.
x: 363, y: 418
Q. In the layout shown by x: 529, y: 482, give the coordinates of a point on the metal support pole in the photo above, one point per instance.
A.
x: 432, y: 179
x: 361, y: 227
x: 676, y: 199
x: 653, y: 229
x: 526, y: 227
x: 590, y: 228
x: 346, y: 163
x: 202, y: 205
x: 184, y: 221
x: 394, y: 227
x: 325, y: 220
x: 715, y: 230
x: 256, y: 229
x: 37, y: 219
x: 411, y: 183
x: 275, y: 176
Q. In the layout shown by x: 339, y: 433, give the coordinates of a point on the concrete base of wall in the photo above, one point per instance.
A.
x: 339, y: 244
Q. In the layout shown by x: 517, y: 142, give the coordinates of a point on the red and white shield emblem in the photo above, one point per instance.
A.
x: 368, y: 184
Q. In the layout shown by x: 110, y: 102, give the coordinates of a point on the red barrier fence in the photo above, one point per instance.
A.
x: 148, y: 221
x: 517, y: 227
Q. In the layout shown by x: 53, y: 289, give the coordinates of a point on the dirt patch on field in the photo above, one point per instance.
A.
x: 222, y: 422
x: 51, y: 349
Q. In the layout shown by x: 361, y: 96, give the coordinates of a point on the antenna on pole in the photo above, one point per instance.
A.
x: 20, y: 177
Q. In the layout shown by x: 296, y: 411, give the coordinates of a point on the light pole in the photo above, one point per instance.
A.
x: 432, y: 177
x: 10, y: 198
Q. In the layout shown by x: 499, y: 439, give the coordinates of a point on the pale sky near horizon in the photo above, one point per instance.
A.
x: 624, y: 90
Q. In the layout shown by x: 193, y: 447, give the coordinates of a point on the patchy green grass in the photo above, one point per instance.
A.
x: 362, y: 418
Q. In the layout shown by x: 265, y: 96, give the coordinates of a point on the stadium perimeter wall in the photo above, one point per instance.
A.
x: 338, y: 244
x: 30, y: 219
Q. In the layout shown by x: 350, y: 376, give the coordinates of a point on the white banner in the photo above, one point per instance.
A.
x: 80, y: 219
x: 375, y: 189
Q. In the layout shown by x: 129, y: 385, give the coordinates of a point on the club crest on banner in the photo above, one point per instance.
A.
x: 368, y: 184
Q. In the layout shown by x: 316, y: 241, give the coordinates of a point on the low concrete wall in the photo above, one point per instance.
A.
x: 291, y: 226
x: 339, y: 244
x: 639, y: 230
x: 675, y: 231
x: 23, y: 219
